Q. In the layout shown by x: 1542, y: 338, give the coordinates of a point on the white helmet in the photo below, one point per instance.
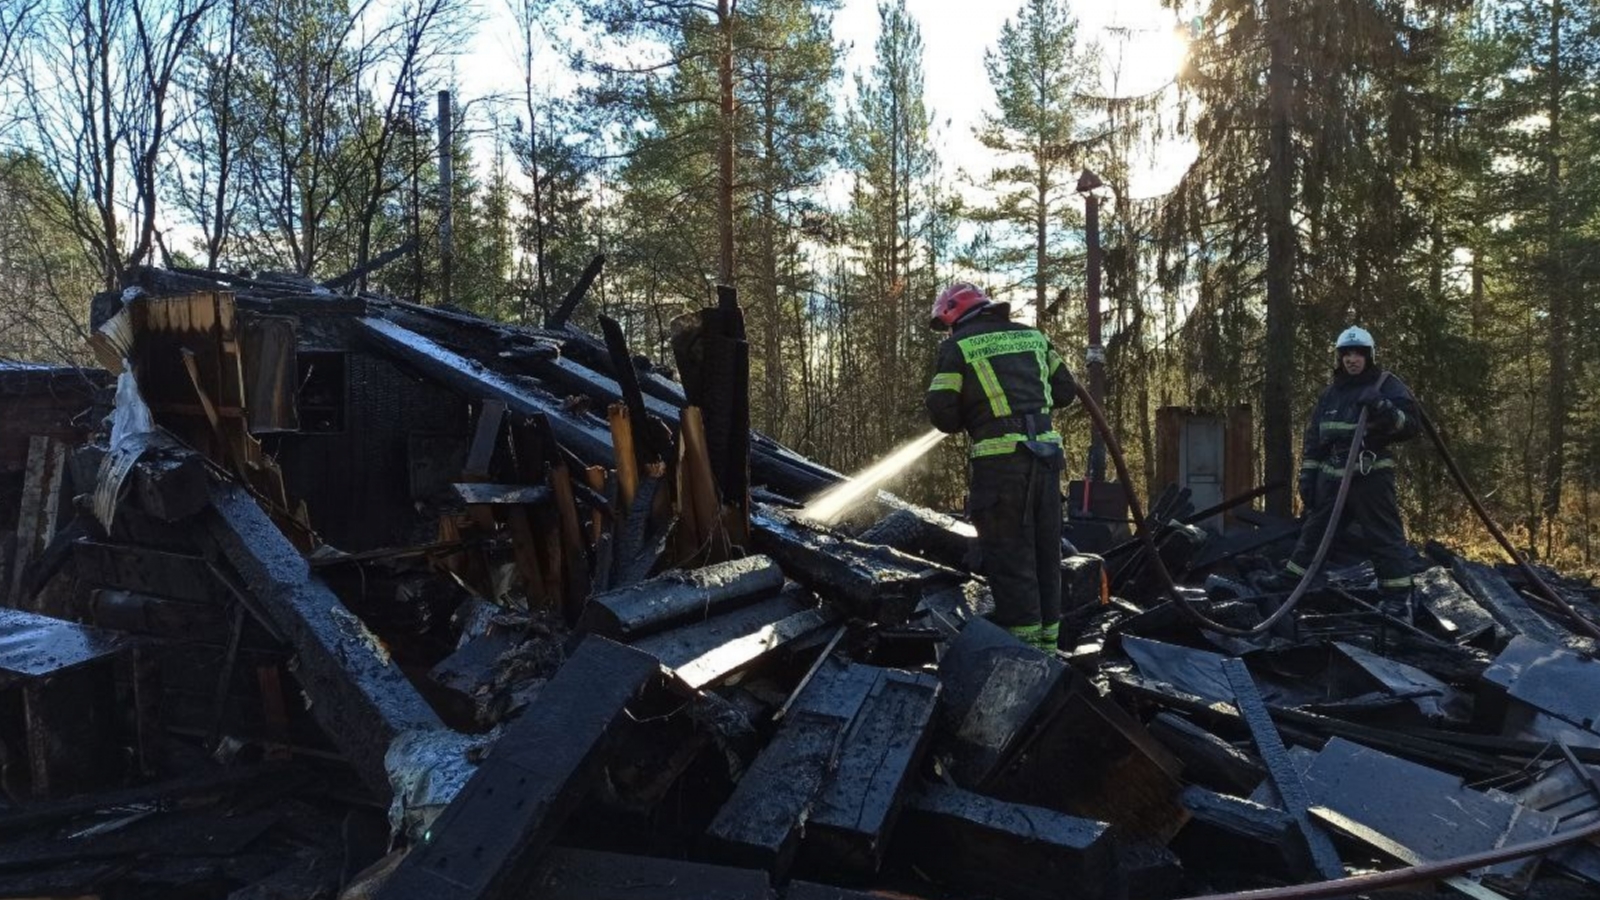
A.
x: 1356, y: 336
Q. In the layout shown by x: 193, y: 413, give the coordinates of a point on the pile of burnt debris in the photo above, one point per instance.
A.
x: 314, y: 595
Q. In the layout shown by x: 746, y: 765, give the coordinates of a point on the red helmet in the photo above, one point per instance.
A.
x: 955, y: 302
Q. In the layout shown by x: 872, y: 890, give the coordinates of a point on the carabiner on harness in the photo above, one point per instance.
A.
x: 1365, y: 460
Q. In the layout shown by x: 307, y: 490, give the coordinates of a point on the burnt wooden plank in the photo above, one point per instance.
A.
x: 1461, y: 617
x: 1280, y: 770
x: 358, y: 694
x: 1222, y: 830
x: 707, y: 652
x: 760, y: 823
x: 850, y: 824
x: 487, y: 843
x: 567, y: 873
x: 479, y: 493
x: 679, y: 597
x: 1208, y: 759
x: 873, y: 582
x: 927, y: 534
x: 991, y: 847
x: 1504, y: 603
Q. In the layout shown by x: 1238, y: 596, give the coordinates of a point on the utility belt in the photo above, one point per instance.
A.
x: 1033, y: 432
x: 1367, y: 462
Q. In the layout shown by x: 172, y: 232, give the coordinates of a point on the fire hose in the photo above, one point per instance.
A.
x: 1097, y: 415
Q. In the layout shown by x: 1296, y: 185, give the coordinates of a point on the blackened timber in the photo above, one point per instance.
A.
x: 358, y: 694
x: 705, y: 653
x: 679, y: 597
x: 850, y: 824
x: 175, y: 575
x: 1461, y: 617
x: 559, y: 316
x: 1222, y: 830
x: 646, y: 447
x: 487, y: 843
x: 1504, y: 603
x: 591, y: 440
x: 927, y: 534
x: 996, y: 690
x: 992, y: 847
x: 1284, y: 776
x: 1207, y: 758
x: 760, y: 823
x: 571, y: 874
x: 873, y: 582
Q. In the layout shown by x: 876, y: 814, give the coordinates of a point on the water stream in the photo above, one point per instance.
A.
x: 833, y: 504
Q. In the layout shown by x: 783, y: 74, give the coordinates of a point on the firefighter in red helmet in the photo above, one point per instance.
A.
x: 998, y: 381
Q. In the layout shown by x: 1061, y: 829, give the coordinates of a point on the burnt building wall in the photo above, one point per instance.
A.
x: 375, y: 442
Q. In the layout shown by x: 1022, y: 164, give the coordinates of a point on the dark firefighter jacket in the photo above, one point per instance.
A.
x: 1333, y: 423
x: 998, y: 380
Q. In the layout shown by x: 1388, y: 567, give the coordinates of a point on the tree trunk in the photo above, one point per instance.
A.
x: 725, y: 145
x: 1556, y: 436
x: 1277, y: 390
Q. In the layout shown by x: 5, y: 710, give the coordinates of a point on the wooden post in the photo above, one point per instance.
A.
x: 447, y: 250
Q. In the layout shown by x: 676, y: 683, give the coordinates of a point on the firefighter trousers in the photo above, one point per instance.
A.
x: 1371, y: 510
x: 1015, y: 505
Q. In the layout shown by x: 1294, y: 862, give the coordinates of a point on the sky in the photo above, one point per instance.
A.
x: 1138, y: 34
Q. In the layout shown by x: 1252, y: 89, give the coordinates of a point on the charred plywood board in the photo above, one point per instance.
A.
x: 850, y: 824
x: 873, y: 582
x: 988, y: 846
x: 1429, y: 811
x: 487, y: 843
x: 680, y: 597
x: 707, y: 652
x: 1550, y: 679
x: 357, y: 694
x: 1461, y: 617
x: 572, y: 874
x: 760, y: 824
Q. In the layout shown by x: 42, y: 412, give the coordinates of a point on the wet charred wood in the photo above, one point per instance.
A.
x: 487, y: 843
x: 358, y: 694
x: 568, y: 873
x: 706, y: 653
x: 1207, y: 759
x: 1223, y: 829
x: 980, y: 844
x: 680, y: 597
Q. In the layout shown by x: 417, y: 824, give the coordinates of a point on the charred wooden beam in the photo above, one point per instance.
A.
x: 487, y: 843
x: 564, y: 310
x: 680, y: 597
x: 927, y: 534
x: 358, y: 694
x: 849, y: 826
x: 705, y: 653
x: 1280, y: 770
x: 873, y: 582
x: 589, y: 439
x: 996, y: 691
x: 988, y: 846
x: 647, y: 448
x: 568, y: 873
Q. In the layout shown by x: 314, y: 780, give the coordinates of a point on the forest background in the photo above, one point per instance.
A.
x: 1426, y: 168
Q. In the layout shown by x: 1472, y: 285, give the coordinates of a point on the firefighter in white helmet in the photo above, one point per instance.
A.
x: 1370, y: 509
